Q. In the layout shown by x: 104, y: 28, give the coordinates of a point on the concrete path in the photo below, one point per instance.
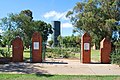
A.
x: 62, y: 67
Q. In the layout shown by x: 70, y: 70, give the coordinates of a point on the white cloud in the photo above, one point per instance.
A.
x: 55, y: 15
x: 61, y: 16
x: 66, y: 25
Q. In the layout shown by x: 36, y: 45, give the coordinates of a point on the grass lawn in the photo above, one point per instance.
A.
x: 54, y: 77
x: 26, y: 54
x: 95, y: 55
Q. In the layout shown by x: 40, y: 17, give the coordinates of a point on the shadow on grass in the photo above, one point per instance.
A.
x: 43, y: 75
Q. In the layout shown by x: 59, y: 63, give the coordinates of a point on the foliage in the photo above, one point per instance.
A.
x: 8, y: 26
x: 58, y: 52
x: 5, y: 53
x: 69, y: 41
x: 50, y: 42
x: 115, y: 57
x: 54, y: 52
x: 23, y: 25
x: 96, y: 17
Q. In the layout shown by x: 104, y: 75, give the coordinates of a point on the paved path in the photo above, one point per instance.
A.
x: 61, y: 66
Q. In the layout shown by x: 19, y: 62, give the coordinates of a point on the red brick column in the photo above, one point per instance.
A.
x: 36, y: 47
x: 86, y: 48
x: 17, y: 50
x: 105, y: 50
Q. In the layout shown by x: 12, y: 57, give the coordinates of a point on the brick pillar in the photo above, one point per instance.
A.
x: 105, y: 50
x: 17, y: 50
x: 86, y: 48
x: 36, y: 47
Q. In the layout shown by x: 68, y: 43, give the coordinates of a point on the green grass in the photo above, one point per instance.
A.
x: 77, y: 55
x: 95, y: 55
x: 54, y: 77
x: 26, y: 53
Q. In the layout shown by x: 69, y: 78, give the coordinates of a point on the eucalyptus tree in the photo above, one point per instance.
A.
x: 97, y: 17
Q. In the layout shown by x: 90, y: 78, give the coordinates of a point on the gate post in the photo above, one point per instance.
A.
x: 105, y: 50
x: 17, y: 50
x: 86, y: 48
x: 36, y: 47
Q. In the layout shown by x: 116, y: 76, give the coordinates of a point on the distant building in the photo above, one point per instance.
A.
x: 56, y: 32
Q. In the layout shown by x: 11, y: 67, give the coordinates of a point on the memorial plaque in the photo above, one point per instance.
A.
x: 36, y: 45
x: 86, y: 46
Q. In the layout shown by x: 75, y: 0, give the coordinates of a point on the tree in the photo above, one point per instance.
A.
x: 28, y: 26
x: 8, y: 26
x: 97, y: 17
x: 78, y: 41
x: 69, y: 41
x: 27, y: 13
x: 44, y: 29
x: 23, y: 25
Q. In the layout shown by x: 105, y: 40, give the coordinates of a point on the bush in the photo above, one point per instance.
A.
x: 53, y: 52
x: 66, y: 55
x: 58, y: 52
x: 75, y: 50
x: 115, y: 57
x: 48, y: 50
x: 5, y: 53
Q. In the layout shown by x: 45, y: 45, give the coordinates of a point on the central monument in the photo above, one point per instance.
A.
x: 56, y: 32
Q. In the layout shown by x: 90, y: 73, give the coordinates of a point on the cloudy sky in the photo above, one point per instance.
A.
x: 46, y: 10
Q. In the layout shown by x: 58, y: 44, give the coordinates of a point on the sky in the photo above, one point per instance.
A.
x: 45, y: 10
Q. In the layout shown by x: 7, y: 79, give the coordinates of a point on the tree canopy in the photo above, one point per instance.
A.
x: 69, y: 41
x: 23, y: 25
x: 97, y: 17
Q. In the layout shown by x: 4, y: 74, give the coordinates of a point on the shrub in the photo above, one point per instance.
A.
x: 5, y: 53
x: 115, y: 57
x: 66, y: 55
x: 58, y: 52
x: 61, y: 52
x: 48, y: 50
